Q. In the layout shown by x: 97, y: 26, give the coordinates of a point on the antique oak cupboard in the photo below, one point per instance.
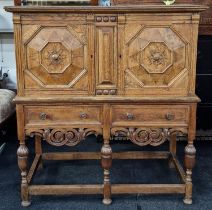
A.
x: 126, y: 70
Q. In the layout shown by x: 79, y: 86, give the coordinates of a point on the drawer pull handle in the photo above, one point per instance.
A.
x: 130, y: 116
x: 43, y: 116
x: 83, y: 116
x: 170, y: 116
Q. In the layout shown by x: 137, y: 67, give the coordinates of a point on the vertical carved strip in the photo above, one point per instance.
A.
x: 91, y: 43
x: 115, y: 57
x: 121, y: 52
x: 19, y: 53
x: 192, y: 76
x: 106, y: 57
x: 22, y: 163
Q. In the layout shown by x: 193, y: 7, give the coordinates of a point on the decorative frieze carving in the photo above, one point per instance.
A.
x: 146, y: 136
x: 60, y: 137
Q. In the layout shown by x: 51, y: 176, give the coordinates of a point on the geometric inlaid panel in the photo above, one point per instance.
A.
x: 156, y: 57
x: 56, y: 57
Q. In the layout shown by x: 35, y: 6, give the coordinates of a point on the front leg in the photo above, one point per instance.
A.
x: 22, y: 163
x: 190, y: 153
x: 106, y: 160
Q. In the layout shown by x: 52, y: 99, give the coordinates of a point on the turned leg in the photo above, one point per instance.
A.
x: 22, y: 163
x: 106, y: 155
x: 38, y: 150
x: 172, y: 148
x: 190, y: 153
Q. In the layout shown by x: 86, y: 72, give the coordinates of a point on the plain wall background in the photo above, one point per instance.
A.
x: 7, y: 49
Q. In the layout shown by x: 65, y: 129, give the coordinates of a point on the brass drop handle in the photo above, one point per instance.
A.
x: 43, y: 116
x: 83, y: 115
x: 130, y: 116
x: 170, y: 116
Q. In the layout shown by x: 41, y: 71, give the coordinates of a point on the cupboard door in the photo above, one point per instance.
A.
x: 157, y: 55
x: 56, y: 58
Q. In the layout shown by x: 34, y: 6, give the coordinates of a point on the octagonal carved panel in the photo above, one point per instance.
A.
x: 156, y: 57
x: 56, y: 57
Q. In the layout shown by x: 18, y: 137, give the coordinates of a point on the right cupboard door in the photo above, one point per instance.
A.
x: 159, y: 54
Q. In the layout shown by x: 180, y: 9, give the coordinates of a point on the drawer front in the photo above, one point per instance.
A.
x: 154, y: 114
x: 76, y: 114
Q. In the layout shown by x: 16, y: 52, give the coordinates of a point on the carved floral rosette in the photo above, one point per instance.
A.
x: 61, y: 137
x: 147, y: 136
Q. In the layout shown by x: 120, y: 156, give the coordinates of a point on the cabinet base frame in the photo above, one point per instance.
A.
x: 98, y: 188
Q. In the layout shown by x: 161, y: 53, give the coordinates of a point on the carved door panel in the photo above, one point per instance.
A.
x: 56, y: 58
x: 106, y: 55
x: 156, y: 56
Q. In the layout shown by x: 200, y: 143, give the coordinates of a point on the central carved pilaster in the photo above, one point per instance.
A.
x: 106, y: 56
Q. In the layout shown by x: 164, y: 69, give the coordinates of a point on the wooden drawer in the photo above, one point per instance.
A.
x: 150, y: 114
x: 74, y: 114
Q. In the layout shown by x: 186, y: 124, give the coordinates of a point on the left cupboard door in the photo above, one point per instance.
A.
x: 56, y: 59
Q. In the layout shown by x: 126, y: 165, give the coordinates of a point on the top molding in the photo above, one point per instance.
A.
x: 113, y: 9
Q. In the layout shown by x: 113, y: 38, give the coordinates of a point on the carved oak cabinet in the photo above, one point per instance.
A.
x: 126, y: 70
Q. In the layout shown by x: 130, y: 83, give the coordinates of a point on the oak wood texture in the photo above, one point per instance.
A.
x: 126, y: 70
